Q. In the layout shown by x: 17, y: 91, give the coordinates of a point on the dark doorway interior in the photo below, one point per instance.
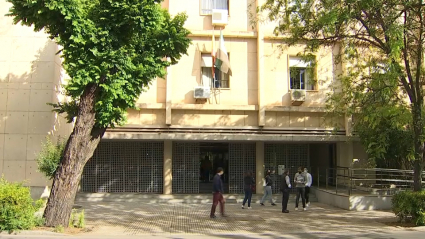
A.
x: 213, y: 156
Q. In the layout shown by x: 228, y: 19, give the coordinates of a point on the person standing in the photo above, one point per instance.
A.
x: 268, y: 189
x: 307, y: 186
x: 218, y: 194
x: 248, y: 184
x: 300, y: 182
x: 285, y: 185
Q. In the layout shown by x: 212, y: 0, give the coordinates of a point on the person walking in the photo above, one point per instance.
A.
x: 248, y: 184
x: 307, y: 186
x: 300, y: 182
x: 218, y: 194
x: 285, y: 185
x: 268, y: 189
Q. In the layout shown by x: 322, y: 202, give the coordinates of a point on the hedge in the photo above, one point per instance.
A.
x: 410, y: 206
x: 17, y: 208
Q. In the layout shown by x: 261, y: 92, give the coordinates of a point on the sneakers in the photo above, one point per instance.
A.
x: 243, y: 207
x: 296, y: 209
x: 213, y: 216
x: 262, y: 204
x: 308, y: 204
x: 273, y: 204
x: 285, y: 211
x: 249, y: 208
x: 305, y: 209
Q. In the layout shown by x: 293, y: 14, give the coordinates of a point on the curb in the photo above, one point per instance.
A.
x: 35, y: 232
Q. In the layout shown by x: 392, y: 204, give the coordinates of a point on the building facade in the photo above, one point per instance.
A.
x: 265, y: 114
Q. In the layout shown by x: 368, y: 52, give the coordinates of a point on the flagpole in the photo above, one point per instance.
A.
x: 213, y: 58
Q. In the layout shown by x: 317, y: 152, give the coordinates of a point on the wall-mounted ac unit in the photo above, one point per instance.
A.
x: 219, y: 17
x: 298, y: 96
x: 202, y: 92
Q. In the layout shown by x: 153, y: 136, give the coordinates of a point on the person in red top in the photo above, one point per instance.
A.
x: 218, y: 194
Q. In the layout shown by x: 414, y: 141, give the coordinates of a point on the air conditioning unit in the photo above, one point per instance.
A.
x: 202, y: 92
x: 298, y: 96
x: 219, y: 17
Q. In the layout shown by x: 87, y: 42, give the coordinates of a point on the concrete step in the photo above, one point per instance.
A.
x: 176, y: 198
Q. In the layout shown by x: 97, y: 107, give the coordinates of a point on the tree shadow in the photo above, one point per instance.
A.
x: 144, y: 217
x: 28, y: 81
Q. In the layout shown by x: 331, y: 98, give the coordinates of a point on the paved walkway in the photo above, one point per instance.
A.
x: 144, y: 218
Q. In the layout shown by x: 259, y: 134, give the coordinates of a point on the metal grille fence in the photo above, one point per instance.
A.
x: 186, y: 167
x: 241, y: 159
x: 125, y: 167
x: 290, y: 155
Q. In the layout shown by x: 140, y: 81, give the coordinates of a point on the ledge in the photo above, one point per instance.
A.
x: 150, y: 105
x: 222, y: 137
x: 213, y: 107
x: 296, y: 109
x: 231, y: 107
x: 231, y: 34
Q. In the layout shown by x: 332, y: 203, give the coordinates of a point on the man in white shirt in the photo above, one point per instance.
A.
x: 307, y: 186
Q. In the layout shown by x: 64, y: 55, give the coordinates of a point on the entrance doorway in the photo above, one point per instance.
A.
x: 213, y: 156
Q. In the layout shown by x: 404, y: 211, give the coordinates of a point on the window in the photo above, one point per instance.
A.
x: 299, y: 75
x: 221, y: 79
x: 208, y: 5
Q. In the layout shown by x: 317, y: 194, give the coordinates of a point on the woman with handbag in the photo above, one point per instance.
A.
x: 249, y: 183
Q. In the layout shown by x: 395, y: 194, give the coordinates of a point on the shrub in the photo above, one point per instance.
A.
x: 410, y: 206
x: 81, y: 220
x: 50, y: 156
x: 17, y: 208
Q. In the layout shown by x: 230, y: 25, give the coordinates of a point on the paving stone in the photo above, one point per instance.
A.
x: 110, y: 218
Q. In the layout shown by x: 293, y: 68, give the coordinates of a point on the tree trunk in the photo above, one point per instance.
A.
x: 79, y: 149
x: 419, y: 146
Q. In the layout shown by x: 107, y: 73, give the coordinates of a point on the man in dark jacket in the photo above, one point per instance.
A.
x: 218, y: 194
x: 285, y: 185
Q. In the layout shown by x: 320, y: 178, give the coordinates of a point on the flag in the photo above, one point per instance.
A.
x: 221, y: 58
x: 213, y: 54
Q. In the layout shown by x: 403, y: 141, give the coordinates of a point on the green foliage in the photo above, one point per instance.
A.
x: 380, y: 45
x: 77, y: 219
x: 50, y: 156
x: 17, y: 207
x: 72, y: 218
x: 59, y: 229
x: 81, y: 220
x: 121, y: 46
x: 410, y: 206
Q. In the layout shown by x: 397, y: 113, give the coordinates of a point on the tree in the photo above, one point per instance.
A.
x: 390, y: 31
x: 382, y: 117
x: 111, y: 50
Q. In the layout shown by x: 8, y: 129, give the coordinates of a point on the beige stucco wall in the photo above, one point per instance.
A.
x: 26, y: 78
x: 31, y: 76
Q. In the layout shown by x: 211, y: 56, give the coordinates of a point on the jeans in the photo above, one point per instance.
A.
x: 267, y: 192
x: 300, y: 192
x: 285, y: 199
x: 248, y: 196
x: 307, y: 192
x: 217, y: 198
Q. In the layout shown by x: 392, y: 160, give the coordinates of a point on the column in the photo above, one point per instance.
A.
x: 168, y: 96
x: 168, y: 167
x: 260, y: 71
x: 259, y: 175
x: 344, y: 154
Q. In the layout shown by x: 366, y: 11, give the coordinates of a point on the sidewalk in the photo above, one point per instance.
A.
x: 146, y: 218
